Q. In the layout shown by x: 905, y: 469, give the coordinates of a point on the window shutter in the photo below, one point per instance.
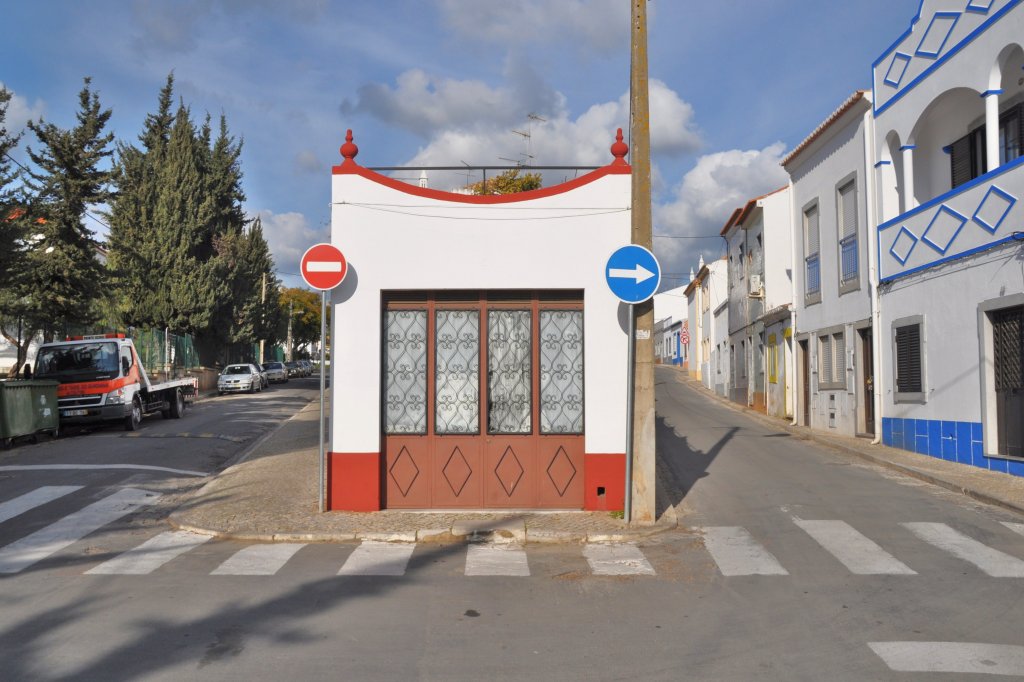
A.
x: 908, y: 359
x: 811, y: 230
x: 848, y: 209
x: 825, y: 360
x: 839, y: 359
x: 961, y: 161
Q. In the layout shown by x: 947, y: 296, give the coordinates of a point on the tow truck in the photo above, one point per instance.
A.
x: 102, y: 379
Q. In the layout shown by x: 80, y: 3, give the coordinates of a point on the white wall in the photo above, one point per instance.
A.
x: 419, y: 243
x: 778, y: 254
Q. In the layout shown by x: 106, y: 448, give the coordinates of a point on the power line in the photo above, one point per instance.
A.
x: 672, y: 236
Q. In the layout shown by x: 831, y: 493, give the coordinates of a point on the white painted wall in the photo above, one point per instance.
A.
x: 394, y: 240
x: 778, y: 254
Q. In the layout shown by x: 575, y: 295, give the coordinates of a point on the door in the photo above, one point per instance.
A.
x: 805, y: 383
x: 869, y: 380
x: 1008, y: 355
x: 483, y: 400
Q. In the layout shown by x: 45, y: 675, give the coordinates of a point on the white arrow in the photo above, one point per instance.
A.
x: 639, y: 274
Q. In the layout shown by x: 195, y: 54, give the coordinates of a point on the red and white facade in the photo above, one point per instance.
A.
x: 479, y: 360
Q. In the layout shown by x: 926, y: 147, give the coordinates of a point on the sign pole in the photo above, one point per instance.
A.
x: 631, y: 378
x: 323, y: 344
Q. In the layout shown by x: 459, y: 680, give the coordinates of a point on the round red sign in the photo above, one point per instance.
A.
x: 323, y: 266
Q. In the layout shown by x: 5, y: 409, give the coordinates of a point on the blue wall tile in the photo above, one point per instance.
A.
x: 996, y: 464
x: 935, y: 438
x: 1015, y: 468
x: 921, y: 446
x: 897, y: 425
x: 949, y: 449
x: 963, y: 442
x: 909, y: 434
x: 887, y: 431
x: 978, y: 458
x: 922, y: 427
x: 976, y: 431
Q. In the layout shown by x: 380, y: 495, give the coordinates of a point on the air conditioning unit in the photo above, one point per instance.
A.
x: 756, y: 286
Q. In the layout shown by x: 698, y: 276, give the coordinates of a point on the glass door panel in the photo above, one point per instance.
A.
x: 457, y: 375
x: 405, y: 374
x: 509, y: 351
x: 561, y: 371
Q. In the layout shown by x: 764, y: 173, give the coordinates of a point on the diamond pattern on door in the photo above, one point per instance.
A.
x: 457, y: 471
x: 404, y: 471
x: 561, y: 471
x: 509, y: 471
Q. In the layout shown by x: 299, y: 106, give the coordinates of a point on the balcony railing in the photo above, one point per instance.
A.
x: 813, y: 275
x: 848, y: 258
x: 975, y: 216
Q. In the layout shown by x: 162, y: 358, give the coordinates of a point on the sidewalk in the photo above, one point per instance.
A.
x: 270, y: 495
x: 990, y: 487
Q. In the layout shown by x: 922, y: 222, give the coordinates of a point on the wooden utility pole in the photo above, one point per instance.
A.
x: 643, y: 497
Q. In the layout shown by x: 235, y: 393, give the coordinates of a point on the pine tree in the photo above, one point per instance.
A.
x: 66, y: 274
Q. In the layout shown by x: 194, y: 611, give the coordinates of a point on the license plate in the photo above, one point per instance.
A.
x: 73, y: 413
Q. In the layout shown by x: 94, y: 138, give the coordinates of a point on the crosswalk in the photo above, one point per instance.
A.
x: 733, y: 550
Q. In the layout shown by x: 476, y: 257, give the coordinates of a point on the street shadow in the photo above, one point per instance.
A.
x: 681, y: 465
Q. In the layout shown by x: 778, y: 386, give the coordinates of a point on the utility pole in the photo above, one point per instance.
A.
x: 289, y: 349
x: 263, y: 314
x: 642, y: 510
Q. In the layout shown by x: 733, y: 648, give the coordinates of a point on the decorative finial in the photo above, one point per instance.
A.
x: 619, y: 149
x: 349, y: 150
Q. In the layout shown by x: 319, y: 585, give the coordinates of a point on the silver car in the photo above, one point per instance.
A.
x: 275, y: 372
x: 238, y: 378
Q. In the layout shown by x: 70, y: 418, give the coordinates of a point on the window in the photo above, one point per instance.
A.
x: 968, y: 155
x: 773, y: 359
x: 831, y: 361
x: 909, y: 363
x: 812, y: 282
x: 743, y: 360
x: 847, y: 212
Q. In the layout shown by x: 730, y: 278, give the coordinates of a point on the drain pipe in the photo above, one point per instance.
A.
x: 792, y: 297
x: 630, y: 378
x: 870, y: 192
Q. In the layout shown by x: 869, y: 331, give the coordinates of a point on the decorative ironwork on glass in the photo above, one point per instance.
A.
x: 508, y: 371
x: 561, y: 371
x: 405, y: 395
x: 457, y: 377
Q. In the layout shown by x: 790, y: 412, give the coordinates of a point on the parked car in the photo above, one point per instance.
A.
x: 264, y: 380
x: 307, y: 367
x: 276, y: 372
x: 293, y: 369
x: 238, y: 378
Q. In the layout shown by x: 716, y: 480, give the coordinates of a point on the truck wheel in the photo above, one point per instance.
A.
x: 178, y: 405
x: 132, y: 421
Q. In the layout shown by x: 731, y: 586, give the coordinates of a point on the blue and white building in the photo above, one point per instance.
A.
x: 948, y: 127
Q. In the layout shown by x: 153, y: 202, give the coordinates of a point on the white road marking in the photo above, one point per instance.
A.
x: 323, y: 266
x: 852, y: 549
x: 378, y: 558
x: 496, y: 560
x: 618, y: 559
x: 951, y: 657
x: 259, y: 559
x: 737, y: 553
x: 32, y: 548
x: 151, y: 554
x: 96, y: 467
x: 40, y: 496
x: 991, y: 561
x: 1015, y: 527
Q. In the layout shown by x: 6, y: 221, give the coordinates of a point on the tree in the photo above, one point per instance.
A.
x: 14, y: 230
x: 509, y: 182
x: 302, y: 308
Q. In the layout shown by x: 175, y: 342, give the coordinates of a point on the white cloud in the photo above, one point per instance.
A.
x: 707, y: 196
x: 289, y: 235
x: 306, y: 161
x: 560, y: 140
x: 597, y: 25
x: 20, y: 111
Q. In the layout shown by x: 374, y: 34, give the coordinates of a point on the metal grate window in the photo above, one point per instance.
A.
x: 561, y: 371
x: 405, y: 379
x: 457, y: 375
x: 508, y: 371
x: 1008, y: 342
x: 908, y: 359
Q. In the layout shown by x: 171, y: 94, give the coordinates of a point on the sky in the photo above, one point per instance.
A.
x: 734, y: 85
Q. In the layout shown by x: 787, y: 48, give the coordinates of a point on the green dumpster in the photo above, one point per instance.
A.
x: 27, y: 408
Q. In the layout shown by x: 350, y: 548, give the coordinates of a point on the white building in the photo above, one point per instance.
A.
x: 670, y: 309
x: 757, y: 233
x: 948, y: 128
x: 830, y: 172
x: 479, y: 357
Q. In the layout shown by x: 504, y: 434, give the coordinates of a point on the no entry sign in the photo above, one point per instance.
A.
x: 323, y: 266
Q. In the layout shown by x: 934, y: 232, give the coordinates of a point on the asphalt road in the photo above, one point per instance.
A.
x: 793, y: 563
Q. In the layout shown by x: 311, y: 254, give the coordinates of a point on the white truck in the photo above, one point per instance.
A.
x: 102, y: 379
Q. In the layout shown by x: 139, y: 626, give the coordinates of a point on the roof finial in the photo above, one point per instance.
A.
x: 619, y: 149
x: 349, y: 150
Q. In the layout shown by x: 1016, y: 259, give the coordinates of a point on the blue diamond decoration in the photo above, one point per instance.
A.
x: 897, y: 67
x: 943, y: 229
x: 994, y: 208
x: 935, y: 36
x: 904, y: 251
x: 979, y: 6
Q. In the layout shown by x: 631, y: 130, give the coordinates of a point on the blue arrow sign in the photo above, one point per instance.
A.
x: 633, y: 274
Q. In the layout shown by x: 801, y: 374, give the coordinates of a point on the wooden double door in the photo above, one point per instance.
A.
x: 483, y: 400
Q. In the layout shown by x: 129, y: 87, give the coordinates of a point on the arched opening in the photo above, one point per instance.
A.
x: 948, y: 144
x: 1010, y: 67
x: 890, y: 177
